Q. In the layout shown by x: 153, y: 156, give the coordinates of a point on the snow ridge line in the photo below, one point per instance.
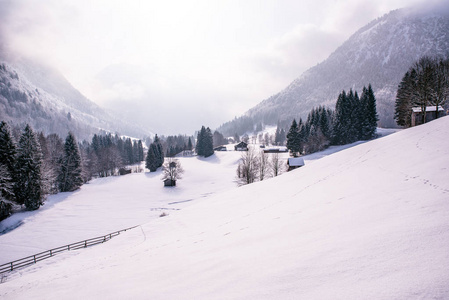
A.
x: 32, y: 259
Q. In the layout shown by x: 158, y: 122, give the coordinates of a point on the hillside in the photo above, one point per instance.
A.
x: 369, y: 222
x: 379, y: 53
x: 40, y: 96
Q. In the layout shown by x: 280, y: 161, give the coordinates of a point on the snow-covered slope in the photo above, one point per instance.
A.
x: 379, y: 53
x: 369, y: 222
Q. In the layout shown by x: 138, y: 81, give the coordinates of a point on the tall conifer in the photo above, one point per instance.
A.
x: 7, y: 159
x: 70, y: 176
x: 28, y: 186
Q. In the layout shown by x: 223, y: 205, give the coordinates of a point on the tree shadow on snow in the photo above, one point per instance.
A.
x: 19, y: 217
x: 157, y: 173
x: 214, y: 159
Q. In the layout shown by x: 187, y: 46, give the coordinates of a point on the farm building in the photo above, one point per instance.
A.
x: 295, y: 162
x: 275, y: 150
x: 431, y: 114
x: 242, y: 146
x: 169, y: 182
x: 220, y: 148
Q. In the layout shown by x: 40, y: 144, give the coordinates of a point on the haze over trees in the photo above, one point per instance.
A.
x: 219, y: 139
x: 425, y: 84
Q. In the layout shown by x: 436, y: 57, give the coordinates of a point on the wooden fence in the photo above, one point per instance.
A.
x: 29, y: 260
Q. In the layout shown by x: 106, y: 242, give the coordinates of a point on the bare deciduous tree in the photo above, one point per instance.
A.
x: 248, y: 167
x: 263, y: 165
x: 276, y: 164
x: 172, y: 169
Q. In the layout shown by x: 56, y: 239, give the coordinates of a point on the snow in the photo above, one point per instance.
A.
x: 362, y: 223
x: 428, y: 109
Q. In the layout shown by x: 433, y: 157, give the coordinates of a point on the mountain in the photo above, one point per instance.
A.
x: 36, y: 94
x: 379, y: 53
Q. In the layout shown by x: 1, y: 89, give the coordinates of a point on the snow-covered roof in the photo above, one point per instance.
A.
x: 428, y: 108
x: 296, y: 162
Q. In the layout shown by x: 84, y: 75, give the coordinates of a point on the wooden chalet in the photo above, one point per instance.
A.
x: 431, y: 114
x: 242, y: 146
x: 275, y: 150
x: 169, y: 182
x: 295, y: 162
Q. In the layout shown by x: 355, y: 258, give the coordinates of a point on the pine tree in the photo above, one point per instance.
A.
x: 6, y: 184
x: 199, y: 148
x: 159, y: 152
x: 403, y: 106
x: 208, y: 143
x: 28, y: 185
x: 135, y: 152
x: 277, y: 135
x: 294, y: 139
x: 140, y: 150
x: 341, y: 120
x: 351, y: 112
x: 324, y: 123
x: 152, y: 159
x: 7, y: 159
x: 371, y: 114
x: 189, y: 144
x: 204, y: 143
x: 365, y: 132
x: 70, y: 175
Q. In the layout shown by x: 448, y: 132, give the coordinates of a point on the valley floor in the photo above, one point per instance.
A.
x: 368, y: 222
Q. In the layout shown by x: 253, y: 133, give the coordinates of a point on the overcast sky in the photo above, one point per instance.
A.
x: 177, y: 65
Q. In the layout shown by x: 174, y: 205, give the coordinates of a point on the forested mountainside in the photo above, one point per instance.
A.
x: 379, y: 53
x: 31, y: 93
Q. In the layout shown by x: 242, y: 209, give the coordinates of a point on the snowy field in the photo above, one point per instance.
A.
x: 110, y: 204
x: 368, y: 222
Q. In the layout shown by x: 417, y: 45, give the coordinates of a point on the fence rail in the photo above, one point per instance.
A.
x: 32, y: 259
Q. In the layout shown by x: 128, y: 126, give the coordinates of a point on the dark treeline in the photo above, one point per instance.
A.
x: 425, y: 84
x: 107, y: 153
x: 354, y: 119
x: 33, y: 165
x: 169, y: 146
x: 175, y: 144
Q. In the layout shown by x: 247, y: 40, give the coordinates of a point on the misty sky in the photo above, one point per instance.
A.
x: 176, y: 65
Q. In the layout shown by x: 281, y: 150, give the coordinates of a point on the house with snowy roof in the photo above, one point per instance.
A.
x: 432, y: 113
x: 295, y: 162
x: 242, y: 146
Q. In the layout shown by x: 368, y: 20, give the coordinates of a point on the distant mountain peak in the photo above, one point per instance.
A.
x: 36, y: 94
x: 379, y: 54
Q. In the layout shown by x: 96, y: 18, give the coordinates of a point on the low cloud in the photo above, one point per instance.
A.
x: 296, y: 51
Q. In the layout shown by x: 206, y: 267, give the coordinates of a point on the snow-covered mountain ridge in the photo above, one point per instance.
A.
x: 369, y: 222
x: 40, y: 96
x: 379, y: 53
